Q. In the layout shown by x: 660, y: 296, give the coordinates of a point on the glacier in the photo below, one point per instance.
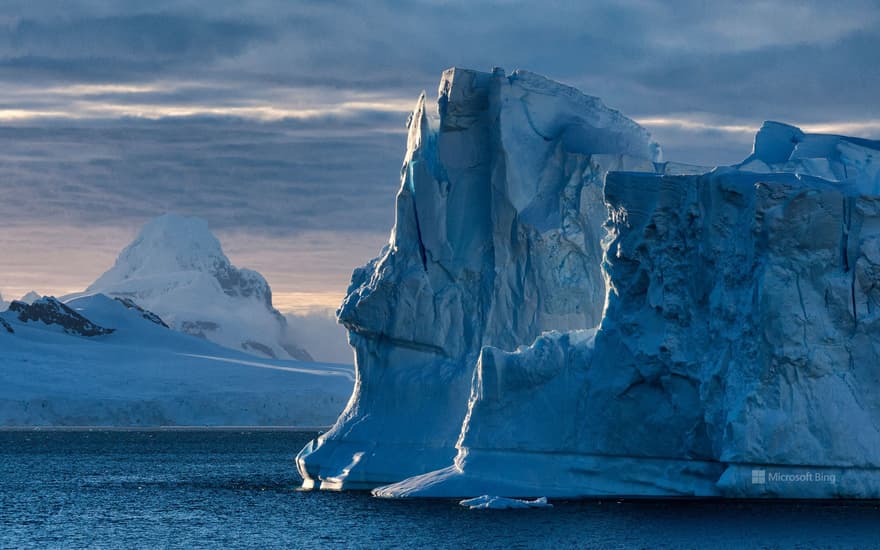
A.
x: 561, y: 312
x: 97, y: 361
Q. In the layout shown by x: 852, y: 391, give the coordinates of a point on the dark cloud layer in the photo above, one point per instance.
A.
x: 274, y: 177
x: 119, y: 47
x: 801, y: 60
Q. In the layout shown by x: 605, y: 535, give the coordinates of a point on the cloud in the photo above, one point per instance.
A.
x: 798, y: 61
x: 625, y: 51
x: 120, y: 46
x: 283, y: 119
x: 804, y: 83
x: 280, y: 177
x: 321, y: 336
x: 708, y: 146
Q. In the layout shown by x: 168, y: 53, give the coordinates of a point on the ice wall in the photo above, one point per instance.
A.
x: 740, y: 336
x: 497, y: 239
x: 535, y: 328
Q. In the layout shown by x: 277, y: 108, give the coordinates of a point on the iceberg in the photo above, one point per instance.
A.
x: 560, y: 313
x: 497, y: 239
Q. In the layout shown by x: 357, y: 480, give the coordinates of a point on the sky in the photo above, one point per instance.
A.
x: 283, y: 123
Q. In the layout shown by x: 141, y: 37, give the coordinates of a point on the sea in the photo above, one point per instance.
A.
x: 238, y: 488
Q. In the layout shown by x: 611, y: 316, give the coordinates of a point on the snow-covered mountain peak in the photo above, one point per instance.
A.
x: 30, y: 297
x: 176, y: 268
x: 168, y: 244
x: 181, y: 248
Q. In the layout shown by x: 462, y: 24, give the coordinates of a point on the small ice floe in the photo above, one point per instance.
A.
x: 487, y: 502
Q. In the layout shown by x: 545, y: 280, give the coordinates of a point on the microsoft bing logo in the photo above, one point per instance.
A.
x: 759, y: 477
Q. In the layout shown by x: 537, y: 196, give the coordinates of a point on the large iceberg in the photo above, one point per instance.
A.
x: 560, y: 313
x: 497, y: 239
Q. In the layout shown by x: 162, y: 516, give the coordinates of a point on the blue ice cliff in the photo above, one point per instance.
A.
x: 561, y: 313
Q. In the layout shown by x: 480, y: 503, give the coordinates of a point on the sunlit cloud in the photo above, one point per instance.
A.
x: 306, y: 303
x: 186, y: 99
x: 96, y: 89
x: 25, y: 115
x: 864, y: 128
x: 689, y: 124
x: 83, y: 109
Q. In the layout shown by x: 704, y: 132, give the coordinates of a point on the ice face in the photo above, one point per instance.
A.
x: 497, y: 239
x: 739, y: 335
x: 535, y: 328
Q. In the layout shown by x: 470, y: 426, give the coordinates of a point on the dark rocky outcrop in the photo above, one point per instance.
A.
x: 295, y: 351
x: 145, y: 313
x: 198, y: 328
x: 50, y: 311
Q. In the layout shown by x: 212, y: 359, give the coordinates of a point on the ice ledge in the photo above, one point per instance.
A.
x: 518, y: 475
x: 521, y: 475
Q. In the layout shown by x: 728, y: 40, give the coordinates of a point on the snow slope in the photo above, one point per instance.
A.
x: 176, y: 268
x: 144, y: 374
x: 733, y: 350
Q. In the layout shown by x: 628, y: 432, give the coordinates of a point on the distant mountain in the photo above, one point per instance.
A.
x: 29, y: 298
x: 176, y: 269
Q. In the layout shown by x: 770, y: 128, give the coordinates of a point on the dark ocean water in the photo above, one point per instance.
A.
x: 221, y: 489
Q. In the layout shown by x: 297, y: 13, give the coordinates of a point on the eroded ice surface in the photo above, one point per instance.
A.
x: 497, y: 239
x: 535, y: 328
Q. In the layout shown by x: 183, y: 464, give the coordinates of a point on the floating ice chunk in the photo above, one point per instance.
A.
x: 487, y: 502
